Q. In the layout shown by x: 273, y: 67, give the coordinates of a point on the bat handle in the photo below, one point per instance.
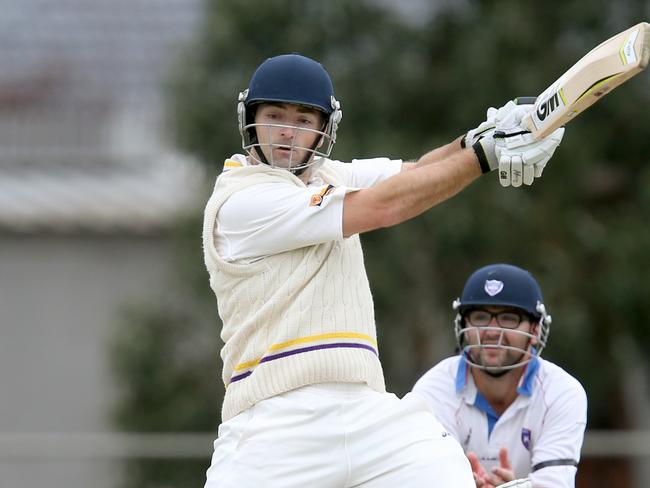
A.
x: 527, y: 122
x: 528, y: 119
x: 525, y: 100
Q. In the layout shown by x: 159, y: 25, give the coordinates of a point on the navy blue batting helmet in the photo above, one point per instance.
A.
x: 502, y: 285
x: 292, y: 79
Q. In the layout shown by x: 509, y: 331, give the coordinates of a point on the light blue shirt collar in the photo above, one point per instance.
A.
x: 525, y: 385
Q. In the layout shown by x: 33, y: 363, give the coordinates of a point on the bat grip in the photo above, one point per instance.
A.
x: 525, y: 100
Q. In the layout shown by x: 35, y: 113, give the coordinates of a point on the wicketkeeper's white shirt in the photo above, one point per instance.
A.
x: 543, y: 429
x: 269, y: 219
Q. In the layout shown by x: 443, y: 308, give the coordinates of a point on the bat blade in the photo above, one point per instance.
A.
x: 602, y: 69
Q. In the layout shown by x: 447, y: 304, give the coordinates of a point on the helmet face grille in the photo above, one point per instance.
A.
x: 300, y: 157
x: 475, y: 348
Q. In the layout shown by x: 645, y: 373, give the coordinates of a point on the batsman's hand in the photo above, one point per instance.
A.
x: 521, y: 158
x: 482, y: 139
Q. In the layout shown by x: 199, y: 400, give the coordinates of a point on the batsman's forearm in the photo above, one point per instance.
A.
x: 430, y: 185
x: 408, y: 193
x: 438, y: 154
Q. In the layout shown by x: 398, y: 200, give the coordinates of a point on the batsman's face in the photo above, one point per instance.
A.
x: 499, y: 337
x: 287, y: 133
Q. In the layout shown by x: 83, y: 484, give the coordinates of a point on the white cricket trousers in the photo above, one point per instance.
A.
x: 337, y: 436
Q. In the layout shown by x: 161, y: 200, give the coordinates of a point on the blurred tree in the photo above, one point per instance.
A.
x: 584, y: 240
x: 406, y: 86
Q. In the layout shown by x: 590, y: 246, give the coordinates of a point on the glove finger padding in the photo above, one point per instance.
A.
x: 529, y: 174
x: 521, y: 159
x: 542, y: 150
x: 513, y: 172
x: 504, y: 171
x: 516, y: 171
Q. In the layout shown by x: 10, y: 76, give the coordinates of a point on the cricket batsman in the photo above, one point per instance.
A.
x: 305, y: 401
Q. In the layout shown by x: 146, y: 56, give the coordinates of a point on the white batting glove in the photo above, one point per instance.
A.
x: 481, y: 139
x: 521, y: 159
x: 508, y: 118
x: 521, y: 483
x: 485, y: 127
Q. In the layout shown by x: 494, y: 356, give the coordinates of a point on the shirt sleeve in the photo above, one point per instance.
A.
x: 557, y: 451
x: 271, y: 218
x: 364, y: 173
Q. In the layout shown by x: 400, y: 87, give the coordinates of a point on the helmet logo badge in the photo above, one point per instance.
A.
x: 493, y: 287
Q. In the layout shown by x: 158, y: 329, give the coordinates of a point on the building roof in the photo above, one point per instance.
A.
x: 81, y: 144
x: 68, y: 200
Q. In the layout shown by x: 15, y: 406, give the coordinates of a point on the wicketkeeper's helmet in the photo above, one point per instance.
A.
x: 501, y: 285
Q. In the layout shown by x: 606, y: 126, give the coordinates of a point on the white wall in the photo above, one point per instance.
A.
x: 59, y: 300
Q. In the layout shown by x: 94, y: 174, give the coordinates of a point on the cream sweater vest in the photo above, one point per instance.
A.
x: 292, y: 319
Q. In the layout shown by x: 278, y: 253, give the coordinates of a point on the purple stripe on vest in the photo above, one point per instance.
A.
x: 266, y: 359
x: 240, y: 376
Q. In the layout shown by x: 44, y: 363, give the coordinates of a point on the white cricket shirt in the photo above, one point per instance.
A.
x: 543, y: 429
x: 269, y: 219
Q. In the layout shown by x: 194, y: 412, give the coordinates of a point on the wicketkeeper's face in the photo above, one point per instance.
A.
x: 497, y: 336
x: 287, y: 133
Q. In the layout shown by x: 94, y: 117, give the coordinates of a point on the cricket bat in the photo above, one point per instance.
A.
x: 601, y: 70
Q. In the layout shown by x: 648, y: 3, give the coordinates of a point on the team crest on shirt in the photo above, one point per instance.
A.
x: 525, y: 438
x: 493, y: 287
x: 317, y: 198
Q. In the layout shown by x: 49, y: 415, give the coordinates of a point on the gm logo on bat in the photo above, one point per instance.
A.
x: 548, y: 106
